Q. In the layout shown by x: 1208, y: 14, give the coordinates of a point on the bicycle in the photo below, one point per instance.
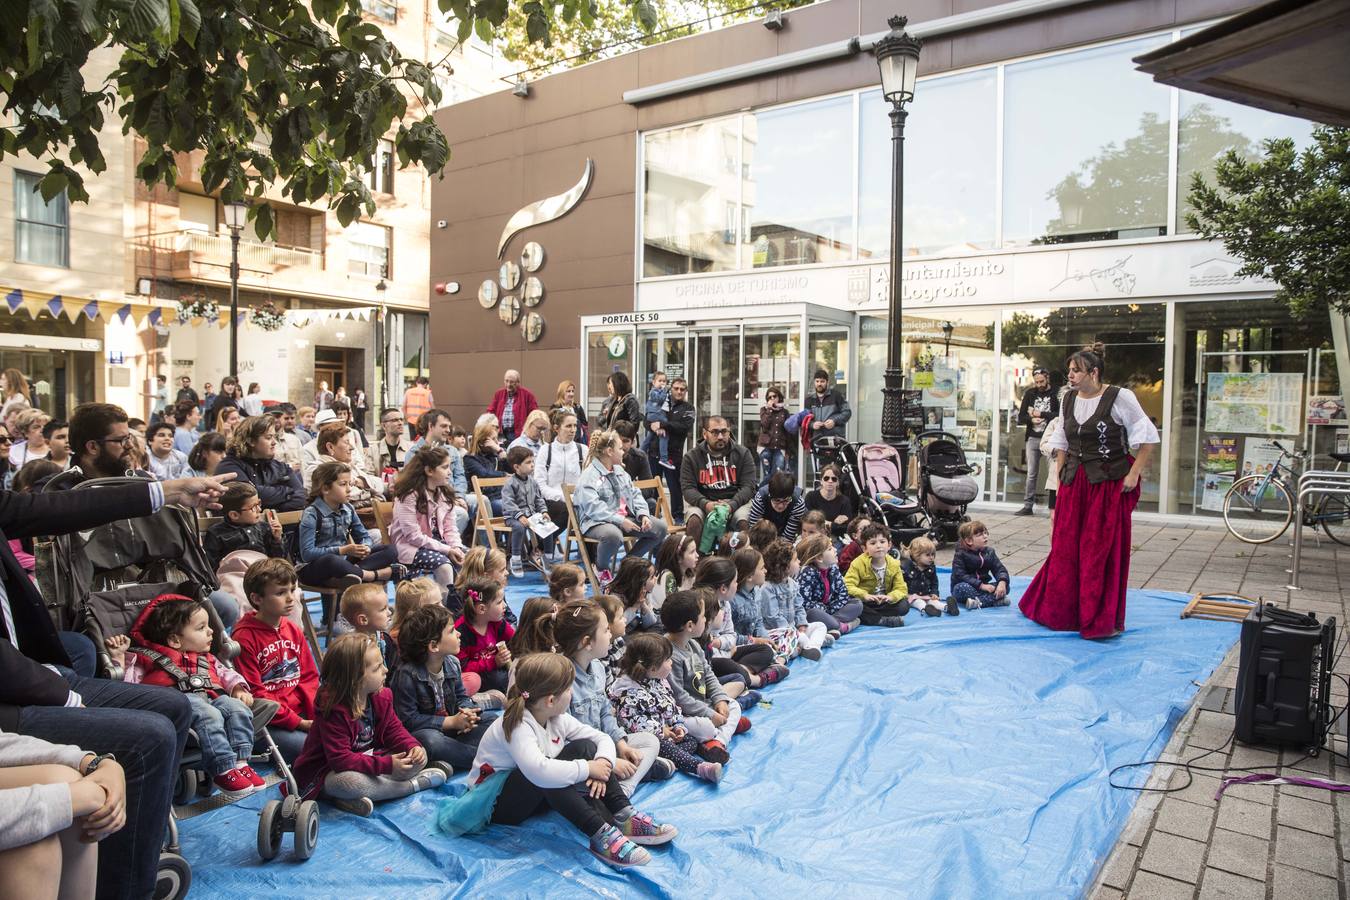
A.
x: 1259, y: 508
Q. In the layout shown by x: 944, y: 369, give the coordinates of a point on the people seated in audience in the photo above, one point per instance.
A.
x: 251, y: 455
x: 208, y: 453
x: 366, y: 609
x: 823, y: 590
x: 412, y: 595
x: 358, y: 752
x: 391, y: 445
x: 717, y: 472
x: 424, y: 528
x: 243, y: 526
x: 535, y: 433
x: 522, y: 499
x: 979, y: 578
x: 429, y: 694
x: 566, y: 582
x: 853, y: 546
x: 875, y: 578
x: 830, y: 500
x: 166, y: 462
x: 609, y: 508
x: 781, y: 600
x: 290, y: 442
x: 633, y: 584
x: 634, y: 460
x: 274, y: 656
x: 334, y: 445
x: 335, y: 547
x: 484, y: 460
x: 485, y: 636
x: 779, y: 503
x: 709, y: 714
x: 558, y: 464
x: 921, y: 577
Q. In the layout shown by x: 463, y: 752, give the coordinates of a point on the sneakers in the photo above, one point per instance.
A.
x: 994, y: 601
x: 517, y: 567
x: 610, y: 846
x: 668, y: 464
x: 932, y: 609
x: 539, y: 563
x: 642, y: 830
x: 833, y: 635
x: 810, y: 653
x: 773, y: 674
x: 953, y: 607
x: 343, y: 582
x: 972, y: 603
x: 235, y: 783
x: 252, y: 776
x: 891, y: 621
x: 846, y: 627
x: 398, y: 572
x: 715, y: 750
x: 1025, y: 510
x: 661, y: 770
x: 604, y: 576
x: 433, y: 776
x: 743, y: 725
x: 710, y: 771
x: 361, y: 806
x: 491, y: 699
x: 749, y: 699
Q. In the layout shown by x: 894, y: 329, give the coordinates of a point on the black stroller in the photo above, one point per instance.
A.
x: 98, y: 582
x: 904, y: 517
x: 946, y: 483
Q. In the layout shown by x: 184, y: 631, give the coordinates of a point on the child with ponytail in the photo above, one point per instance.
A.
x: 539, y: 757
x: 484, y: 637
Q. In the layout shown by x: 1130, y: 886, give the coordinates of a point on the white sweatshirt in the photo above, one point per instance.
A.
x: 533, y: 748
x: 31, y: 813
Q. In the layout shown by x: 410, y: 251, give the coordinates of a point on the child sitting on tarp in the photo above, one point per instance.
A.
x: 979, y: 579
x: 875, y: 578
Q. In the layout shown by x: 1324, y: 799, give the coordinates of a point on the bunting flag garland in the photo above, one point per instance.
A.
x: 14, y: 298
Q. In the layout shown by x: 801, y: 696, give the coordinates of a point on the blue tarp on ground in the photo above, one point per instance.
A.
x: 954, y: 757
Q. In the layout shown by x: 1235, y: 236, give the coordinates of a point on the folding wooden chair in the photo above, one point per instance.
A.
x: 662, y: 509
x: 328, y: 598
x: 384, y: 515
x: 584, y: 543
x: 487, y: 523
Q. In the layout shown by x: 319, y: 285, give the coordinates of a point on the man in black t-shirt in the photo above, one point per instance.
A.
x: 1039, y: 405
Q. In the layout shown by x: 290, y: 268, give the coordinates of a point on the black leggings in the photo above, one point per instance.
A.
x: 521, y: 798
x: 745, y: 660
x: 330, y: 567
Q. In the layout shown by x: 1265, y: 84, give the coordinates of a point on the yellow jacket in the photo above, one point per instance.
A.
x: 862, y: 581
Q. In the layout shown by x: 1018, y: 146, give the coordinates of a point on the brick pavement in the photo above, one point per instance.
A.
x: 1257, y: 842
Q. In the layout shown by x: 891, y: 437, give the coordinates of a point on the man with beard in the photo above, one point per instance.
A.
x: 99, y: 435
x: 717, y: 472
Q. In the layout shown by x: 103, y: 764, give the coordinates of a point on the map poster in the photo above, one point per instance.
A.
x: 1220, y: 455
x: 1254, y: 402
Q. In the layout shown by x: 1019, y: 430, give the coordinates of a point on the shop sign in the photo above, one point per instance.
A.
x: 629, y: 318
x: 618, y: 347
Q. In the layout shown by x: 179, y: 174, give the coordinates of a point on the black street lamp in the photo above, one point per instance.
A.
x: 898, y: 58
x: 235, y: 216
x: 947, y: 329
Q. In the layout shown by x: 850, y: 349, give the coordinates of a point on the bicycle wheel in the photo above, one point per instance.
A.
x: 1333, y: 514
x: 1257, y: 516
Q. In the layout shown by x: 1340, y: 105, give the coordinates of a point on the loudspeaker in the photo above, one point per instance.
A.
x: 1284, y: 677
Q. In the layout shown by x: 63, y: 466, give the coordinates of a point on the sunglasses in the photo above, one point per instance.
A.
x: 829, y: 478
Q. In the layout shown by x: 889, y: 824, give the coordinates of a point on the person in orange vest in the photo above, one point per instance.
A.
x: 417, y: 400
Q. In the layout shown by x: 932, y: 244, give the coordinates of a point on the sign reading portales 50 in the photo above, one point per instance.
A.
x: 528, y: 292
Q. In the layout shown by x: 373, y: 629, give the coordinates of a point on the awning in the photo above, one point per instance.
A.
x: 1289, y: 57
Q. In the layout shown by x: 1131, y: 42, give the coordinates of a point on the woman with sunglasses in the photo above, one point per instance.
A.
x: 836, y: 506
x: 6, y: 467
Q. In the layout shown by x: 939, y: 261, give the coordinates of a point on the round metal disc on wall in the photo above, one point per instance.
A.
x: 534, y: 291
x: 532, y: 257
x: 532, y: 327
x: 488, y: 294
x: 509, y: 311
x: 509, y: 276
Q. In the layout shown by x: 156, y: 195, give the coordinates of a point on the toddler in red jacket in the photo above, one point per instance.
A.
x: 358, y: 751
x: 170, y: 646
x: 274, y: 657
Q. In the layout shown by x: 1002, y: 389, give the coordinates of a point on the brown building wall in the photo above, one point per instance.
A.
x: 509, y: 151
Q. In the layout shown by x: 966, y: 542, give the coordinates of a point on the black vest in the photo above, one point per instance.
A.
x: 1098, y: 445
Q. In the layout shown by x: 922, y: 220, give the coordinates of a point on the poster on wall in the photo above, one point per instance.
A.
x: 1221, y: 454
x: 1216, y: 486
x: 943, y: 391
x: 1325, y: 409
x: 1253, y: 402
x: 1258, y: 458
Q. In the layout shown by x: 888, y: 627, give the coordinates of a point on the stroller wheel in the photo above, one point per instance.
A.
x: 306, y: 829
x: 174, y: 877
x: 190, y: 782
x: 288, y: 805
x: 270, y: 828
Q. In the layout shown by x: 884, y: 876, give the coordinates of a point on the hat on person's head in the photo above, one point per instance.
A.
x: 324, y: 416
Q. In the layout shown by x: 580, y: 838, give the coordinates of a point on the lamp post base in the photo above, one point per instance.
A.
x: 893, y: 420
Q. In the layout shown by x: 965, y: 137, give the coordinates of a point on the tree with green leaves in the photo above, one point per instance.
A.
x: 1286, y: 215
x: 295, y: 94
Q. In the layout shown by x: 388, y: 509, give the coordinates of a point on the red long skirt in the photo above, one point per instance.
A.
x: 1082, y: 585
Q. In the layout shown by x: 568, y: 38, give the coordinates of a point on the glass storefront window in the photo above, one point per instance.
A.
x: 1261, y: 344
x: 1087, y: 164
x: 799, y: 184
x: 1208, y: 128
x: 1133, y: 335
x: 773, y: 358
x: 692, y: 179
x: 606, y: 352
x: 950, y: 162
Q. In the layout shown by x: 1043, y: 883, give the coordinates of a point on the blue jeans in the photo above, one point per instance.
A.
x: 656, y: 444
x: 963, y: 592
x: 521, y: 535
x: 770, y: 461
x: 224, y: 728
x: 227, y: 607
x: 145, y: 727
x: 611, y: 539
x: 456, y: 749
x: 83, y: 657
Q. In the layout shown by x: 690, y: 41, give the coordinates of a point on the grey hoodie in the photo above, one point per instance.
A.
x: 697, y: 689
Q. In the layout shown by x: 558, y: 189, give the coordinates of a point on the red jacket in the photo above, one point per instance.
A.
x: 525, y: 404
x: 278, y: 666
x: 331, y: 742
x: 187, y: 662
x: 478, y: 652
x: 848, y: 554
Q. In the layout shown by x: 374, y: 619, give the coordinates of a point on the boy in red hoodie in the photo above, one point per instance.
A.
x: 170, y: 646
x: 275, y: 659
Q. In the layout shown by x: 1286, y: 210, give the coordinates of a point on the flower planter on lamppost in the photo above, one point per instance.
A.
x: 898, y: 59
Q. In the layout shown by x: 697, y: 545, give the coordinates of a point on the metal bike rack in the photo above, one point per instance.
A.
x: 1326, y: 482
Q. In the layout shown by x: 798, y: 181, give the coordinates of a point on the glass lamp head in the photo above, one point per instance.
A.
x: 898, y: 59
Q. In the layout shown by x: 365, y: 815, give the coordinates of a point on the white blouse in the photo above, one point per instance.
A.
x: 1139, y: 428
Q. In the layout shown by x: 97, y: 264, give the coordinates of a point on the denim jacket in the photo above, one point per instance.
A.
x: 781, y: 604
x: 323, y: 530
x: 747, y: 615
x: 590, y: 703
x: 598, y: 494
x: 415, y: 698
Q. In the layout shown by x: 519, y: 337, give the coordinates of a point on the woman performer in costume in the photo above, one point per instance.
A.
x: 1082, y: 585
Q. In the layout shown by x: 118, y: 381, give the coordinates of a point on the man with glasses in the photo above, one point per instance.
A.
x: 679, y: 423
x: 391, y: 447
x: 290, y: 445
x: 99, y: 437
x: 1039, y: 406
x: 717, y: 472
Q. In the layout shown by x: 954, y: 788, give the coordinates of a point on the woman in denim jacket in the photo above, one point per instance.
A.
x: 610, y: 508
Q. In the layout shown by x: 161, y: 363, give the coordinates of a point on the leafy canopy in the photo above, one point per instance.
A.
x: 1286, y: 215
x: 293, y: 93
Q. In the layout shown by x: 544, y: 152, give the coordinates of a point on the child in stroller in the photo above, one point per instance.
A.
x: 170, y: 645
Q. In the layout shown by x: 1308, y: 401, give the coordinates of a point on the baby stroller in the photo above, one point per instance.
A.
x: 946, y: 483
x: 99, y: 581
x: 874, y: 479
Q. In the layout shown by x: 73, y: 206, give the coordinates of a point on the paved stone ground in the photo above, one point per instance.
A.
x: 1257, y: 842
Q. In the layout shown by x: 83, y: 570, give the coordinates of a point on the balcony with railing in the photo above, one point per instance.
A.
x: 199, y: 256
